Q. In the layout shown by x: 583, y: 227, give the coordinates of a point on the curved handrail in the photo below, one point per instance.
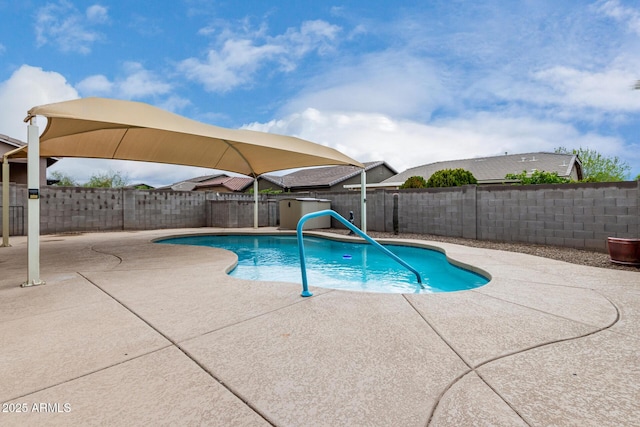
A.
x: 343, y: 220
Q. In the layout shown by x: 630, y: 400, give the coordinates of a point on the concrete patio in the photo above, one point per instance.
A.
x: 128, y: 332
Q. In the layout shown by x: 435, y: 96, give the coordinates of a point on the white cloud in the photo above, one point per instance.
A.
x: 588, y: 94
x: 315, y: 35
x: 98, y: 14
x: 390, y: 82
x: 626, y: 15
x: 405, y: 143
x: 137, y: 82
x: 26, y: 88
x: 608, y: 90
x: 62, y: 25
x: 141, y: 82
x: 237, y: 58
x: 97, y: 85
x: 174, y: 103
x: 233, y: 65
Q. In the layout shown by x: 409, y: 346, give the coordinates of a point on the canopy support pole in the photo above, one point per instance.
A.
x: 5, y: 202
x: 255, y: 202
x: 363, y: 200
x: 33, y: 204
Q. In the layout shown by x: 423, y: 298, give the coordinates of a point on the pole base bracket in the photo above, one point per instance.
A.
x: 33, y: 283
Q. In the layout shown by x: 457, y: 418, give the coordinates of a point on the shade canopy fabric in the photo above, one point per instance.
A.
x: 104, y: 128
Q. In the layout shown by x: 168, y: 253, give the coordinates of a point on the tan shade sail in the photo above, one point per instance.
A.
x: 103, y: 128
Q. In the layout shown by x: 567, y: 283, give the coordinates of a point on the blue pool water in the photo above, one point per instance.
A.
x: 338, y: 265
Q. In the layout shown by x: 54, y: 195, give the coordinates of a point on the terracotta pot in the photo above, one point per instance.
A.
x: 624, y: 251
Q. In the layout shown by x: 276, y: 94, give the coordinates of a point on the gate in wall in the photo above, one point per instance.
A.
x: 16, y: 220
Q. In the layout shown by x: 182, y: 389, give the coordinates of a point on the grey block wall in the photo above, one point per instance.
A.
x: 431, y: 211
x: 239, y: 213
x: 75, y: 209
x: 145, y: 210
x: 571, y: 215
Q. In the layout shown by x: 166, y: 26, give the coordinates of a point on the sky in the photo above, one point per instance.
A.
x: 407, y: 82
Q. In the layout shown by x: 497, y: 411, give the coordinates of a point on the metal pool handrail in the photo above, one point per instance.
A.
x: 343, y: 220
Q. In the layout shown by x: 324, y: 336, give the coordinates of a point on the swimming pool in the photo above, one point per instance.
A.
x: 337, y: 264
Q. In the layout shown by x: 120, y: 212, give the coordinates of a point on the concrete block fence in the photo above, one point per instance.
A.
x: 571, y: 215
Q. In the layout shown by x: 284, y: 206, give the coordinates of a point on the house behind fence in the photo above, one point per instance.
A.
x: 572, y: 215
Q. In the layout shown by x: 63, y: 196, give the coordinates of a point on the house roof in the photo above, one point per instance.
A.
x: 204, y: 178
x: 139, y: 184
x: 492, y: 169
x: 233, y: 183
x: 320, y: 177
x: 189, y: 184
x: 14, y: 143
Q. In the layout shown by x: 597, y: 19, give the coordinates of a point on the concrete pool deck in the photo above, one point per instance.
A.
x: 128, y: 332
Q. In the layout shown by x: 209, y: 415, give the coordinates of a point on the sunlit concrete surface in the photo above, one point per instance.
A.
x: 130, y: 332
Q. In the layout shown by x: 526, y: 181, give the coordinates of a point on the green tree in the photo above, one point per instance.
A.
x: 451, y: 178
x: 597, y: 167
x: 414, y: 182
x: 537, y: 177
x: 63, y: 179
x: 111, y: 179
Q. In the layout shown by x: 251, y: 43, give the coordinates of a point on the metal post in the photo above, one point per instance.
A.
x: 33, y: 204
x: 5, y: 202
x: 255, y: 202
x: 363, y: 197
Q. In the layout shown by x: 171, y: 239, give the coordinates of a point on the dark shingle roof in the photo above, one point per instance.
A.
x: 486, y: 169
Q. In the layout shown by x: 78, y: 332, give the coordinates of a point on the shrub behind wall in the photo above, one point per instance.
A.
x: 451, y: 178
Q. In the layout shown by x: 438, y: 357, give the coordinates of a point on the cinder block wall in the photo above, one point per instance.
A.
x: 78, y: 209
x: 148, y: 209
x: 75, y: 209
x: 343, y: 202
x: 422, y: 211
x: 237, y: 212
x: 572, y: 215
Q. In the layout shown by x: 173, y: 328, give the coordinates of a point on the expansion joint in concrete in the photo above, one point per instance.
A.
x: 186, y: 353
x: 459, y: 377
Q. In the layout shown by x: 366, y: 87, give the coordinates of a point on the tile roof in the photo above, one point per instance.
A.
x: 495, y: 168
x: 326, y: 176
x: 233, y: 183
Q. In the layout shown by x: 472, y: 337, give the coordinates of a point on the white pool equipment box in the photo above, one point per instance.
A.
x: 291, y: 210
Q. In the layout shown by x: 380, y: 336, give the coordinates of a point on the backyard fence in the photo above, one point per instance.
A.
x: 571, y: 215
x: 16, y: 220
